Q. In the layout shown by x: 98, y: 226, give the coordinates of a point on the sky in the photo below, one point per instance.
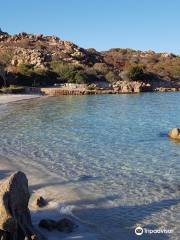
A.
x: 101, y: 24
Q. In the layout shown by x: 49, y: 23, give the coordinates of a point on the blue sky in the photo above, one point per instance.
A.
x: 101, y: 24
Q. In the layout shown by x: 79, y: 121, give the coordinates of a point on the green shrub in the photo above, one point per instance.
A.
x: 68, y: 73
x: 39, y: 71
x: 135, y: 72
x: 80, y: 78
x: 25, y: 70
x: 111, y: 77
x: 64, y: 71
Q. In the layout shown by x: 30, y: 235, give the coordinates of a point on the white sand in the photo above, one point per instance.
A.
x: 6, y: 98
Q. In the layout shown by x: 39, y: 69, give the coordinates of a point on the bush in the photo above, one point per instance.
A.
x: 135, y: 72
x: 101, y: 68
x: 28, y: 75
x: 25, y: 70
x: 111, y: 77
x: 6, y: 57
x: 69, y: 73
x: 80, y: 78
x: 63, y: 71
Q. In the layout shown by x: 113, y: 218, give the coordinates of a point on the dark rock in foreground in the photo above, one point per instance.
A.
x: 48, y: 224
x: 63, y: 225
x: 15, y: 218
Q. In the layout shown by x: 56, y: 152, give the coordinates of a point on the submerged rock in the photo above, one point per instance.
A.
x: 63, y: 225
x: 174, y: 133
x: 41, y: 202
x: 15, y: 218
x: 48, y: 224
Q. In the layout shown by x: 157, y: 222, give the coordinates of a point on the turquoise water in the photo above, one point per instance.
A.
x: 112, y: 149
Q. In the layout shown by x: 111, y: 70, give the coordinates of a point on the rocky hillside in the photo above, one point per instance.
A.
x: 35, y: 60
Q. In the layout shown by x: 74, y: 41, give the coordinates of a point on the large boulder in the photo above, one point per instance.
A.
x: 15, y: 218
x: 174, y: 133
x: 131, y: 87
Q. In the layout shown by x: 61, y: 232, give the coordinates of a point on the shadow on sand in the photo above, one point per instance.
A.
x: 118, y: 223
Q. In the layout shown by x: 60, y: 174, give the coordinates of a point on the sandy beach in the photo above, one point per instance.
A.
x: 7, y: 98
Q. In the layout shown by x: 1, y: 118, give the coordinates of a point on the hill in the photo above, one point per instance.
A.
x: 38, y: 60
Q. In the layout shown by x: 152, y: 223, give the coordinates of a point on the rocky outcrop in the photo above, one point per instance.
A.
x: 30, y: 56
x: 15, y: 218
x: 174, y: 133
x: 38, y: 50
x: 131, y: 87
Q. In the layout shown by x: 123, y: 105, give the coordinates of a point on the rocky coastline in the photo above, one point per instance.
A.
x: 122, y: 88
x: 47, y: 62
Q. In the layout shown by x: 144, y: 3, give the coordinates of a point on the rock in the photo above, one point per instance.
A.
x: 41, y: 202
x: 15, y: 218
x: 174, y: 133
x: 131, y: 87
x: 65, y: 225
x: 48, y: 224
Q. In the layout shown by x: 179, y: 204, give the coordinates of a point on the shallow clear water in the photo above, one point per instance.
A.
x: 112, y: 149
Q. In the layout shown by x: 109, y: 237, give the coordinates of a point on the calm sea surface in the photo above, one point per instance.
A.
x: 112, y: 150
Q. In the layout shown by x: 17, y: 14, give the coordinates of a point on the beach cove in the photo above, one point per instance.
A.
x: 57, y: 142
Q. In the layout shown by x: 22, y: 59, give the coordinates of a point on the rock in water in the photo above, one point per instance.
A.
x: 41, y: 202
x: 48, y: 224
x: 65, y: 225
x: 174, y: 133
x: 15, y: 218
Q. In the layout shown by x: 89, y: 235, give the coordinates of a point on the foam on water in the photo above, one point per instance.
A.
x: 107, y: 159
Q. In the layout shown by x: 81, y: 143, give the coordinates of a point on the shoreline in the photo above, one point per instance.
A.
x: 58, y: 91
x: 55, y: 92
x: 8, y: 98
